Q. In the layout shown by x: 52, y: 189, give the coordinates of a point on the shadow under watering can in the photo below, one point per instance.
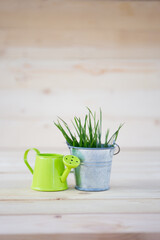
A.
x: 49, y: 173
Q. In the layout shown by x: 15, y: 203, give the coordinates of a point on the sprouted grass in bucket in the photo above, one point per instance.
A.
x: 93, y: 173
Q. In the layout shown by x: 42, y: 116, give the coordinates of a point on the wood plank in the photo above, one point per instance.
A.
x: 111, y: 29
x: 112, y: 75
x: 76, y: 52
x: 121, y: 188
x: 80, y: 223
x: 117, y: 87
x: 90, y: 206
x: 132, y: 45
x: 90, y: 236
x: 100, y: 14
x: 20, y: 102
x: 129, y: 209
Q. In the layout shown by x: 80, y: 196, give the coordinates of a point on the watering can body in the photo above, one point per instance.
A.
x: 49, y: 173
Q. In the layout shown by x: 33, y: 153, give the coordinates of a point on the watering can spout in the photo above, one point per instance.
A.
x: 65, y: 175
x: 70, y: 162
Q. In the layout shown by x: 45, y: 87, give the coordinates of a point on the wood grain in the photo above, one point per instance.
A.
x: 60, y: 15
x: 64, y: 206
x: 135, y: 175
x: 112, y: 75
x: 89, y: 236
x: 111, y: 29
x: 129, y: 210
x: 81, y: 224
x: 123, y: 29
x: 135, y: 102
x: 58, y: 57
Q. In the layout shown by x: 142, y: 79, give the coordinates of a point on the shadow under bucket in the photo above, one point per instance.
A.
x: 93, y: 173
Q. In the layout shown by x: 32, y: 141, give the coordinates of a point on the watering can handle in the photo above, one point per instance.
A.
x: 25, y: 158
x: 117, y: 150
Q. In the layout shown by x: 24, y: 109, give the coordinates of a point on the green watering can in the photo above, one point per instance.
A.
x: 49, y: 173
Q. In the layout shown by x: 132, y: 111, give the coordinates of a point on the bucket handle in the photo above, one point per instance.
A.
x: 118, y: 149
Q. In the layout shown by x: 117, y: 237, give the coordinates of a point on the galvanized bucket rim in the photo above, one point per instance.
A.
x: 85, y: 148
x: 103, y: 148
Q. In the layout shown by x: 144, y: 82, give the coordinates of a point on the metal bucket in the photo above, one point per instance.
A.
x: 93, y: 173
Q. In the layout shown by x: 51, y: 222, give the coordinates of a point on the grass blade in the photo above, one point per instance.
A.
x: 94, y: 141
x: 106, y: 138
x: 114, y: 136
x: 100, y: 129
x: 68, y: 139
x: 89, y: 133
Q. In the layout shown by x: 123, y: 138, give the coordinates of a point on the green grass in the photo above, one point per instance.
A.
x: 88, y: 133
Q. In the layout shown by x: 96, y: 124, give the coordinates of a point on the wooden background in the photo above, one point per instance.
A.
x: 56, y: 57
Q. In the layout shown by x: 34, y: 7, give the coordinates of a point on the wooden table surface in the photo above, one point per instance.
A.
x: 129, y: 210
